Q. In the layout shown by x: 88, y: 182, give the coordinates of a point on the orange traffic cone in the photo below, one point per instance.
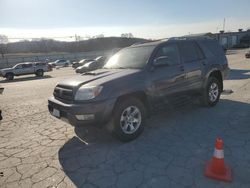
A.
x: 216, y: 168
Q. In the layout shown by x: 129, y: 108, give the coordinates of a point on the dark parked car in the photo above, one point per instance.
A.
x: 92, y: 65
x: 138, y: 79
x: 81, y: 63
x: 247, y: 55
x: 60, y: 63
x: 101, y: 59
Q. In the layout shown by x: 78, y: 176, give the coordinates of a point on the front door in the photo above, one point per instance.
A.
x: 167, y: 79
x: 28, y: 68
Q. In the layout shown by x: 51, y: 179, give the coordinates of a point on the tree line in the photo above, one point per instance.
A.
x: 49, y: 45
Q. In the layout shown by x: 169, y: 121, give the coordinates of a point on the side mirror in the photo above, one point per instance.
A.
x: 162, y: 61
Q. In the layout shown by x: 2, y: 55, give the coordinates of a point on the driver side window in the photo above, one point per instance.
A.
x: 19, y: 66
x: 170, y: 51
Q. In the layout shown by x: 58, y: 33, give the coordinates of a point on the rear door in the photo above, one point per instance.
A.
x: 19, y: 69
x: 28, y: 68
x: 170, y: 79
x: 194, y: 63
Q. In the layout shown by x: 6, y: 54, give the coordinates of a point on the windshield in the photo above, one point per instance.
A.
x: 82, y: 61
x: 134, y: 58
x: 18, y: 66
x: 87, y: 64
x: 98, y: 58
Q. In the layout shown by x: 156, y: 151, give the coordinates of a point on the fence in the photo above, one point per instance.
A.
x: 10, y: 62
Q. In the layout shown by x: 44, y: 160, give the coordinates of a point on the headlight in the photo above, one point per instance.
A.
x: 87, y: 92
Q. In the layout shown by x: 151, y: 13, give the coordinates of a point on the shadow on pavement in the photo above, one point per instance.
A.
x: 21, y: 79
x: 237, y: 74
x: 172, y: 150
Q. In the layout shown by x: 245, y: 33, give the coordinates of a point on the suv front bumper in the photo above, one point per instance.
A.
x: 82, y: 113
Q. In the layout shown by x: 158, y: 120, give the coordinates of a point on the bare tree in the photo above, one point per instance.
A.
x: 3, y: 47
x: 127, y: 35
x: 98, y: 36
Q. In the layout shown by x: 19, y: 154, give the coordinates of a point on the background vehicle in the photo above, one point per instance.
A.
x: 140, y: 78
x: 81, y: 63
x: 247, y: 55
x: 101, y: 59
x: 20, y: 69
x: 60, y: 63
x: 93, y: 65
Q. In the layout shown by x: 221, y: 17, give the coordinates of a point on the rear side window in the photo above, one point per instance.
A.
x: 214, y: 47
x: 190, y: 51
x: 171, y: 51
x: 27, y: 65
x: 40, y: 64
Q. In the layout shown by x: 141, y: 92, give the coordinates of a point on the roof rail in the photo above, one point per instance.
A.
x: 137, y: 43
x: 191, y: 37
x: 163, y: 39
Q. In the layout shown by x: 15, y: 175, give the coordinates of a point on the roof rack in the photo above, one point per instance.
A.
x: 137, y: 43
x: 190, y: 38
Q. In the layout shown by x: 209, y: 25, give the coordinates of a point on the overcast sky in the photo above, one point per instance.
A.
x: 143, y: 18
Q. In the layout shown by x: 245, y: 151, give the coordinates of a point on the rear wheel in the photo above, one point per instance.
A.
x: 212, y: 92
x: 39, y: 73
x: 128, y: 120
x: 10, y: 76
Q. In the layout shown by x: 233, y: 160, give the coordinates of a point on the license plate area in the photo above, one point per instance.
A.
x: 56, y: 113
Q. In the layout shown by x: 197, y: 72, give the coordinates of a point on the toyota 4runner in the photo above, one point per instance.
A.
x: 135, y: 79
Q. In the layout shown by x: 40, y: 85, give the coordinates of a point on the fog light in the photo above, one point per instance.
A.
x: 85, y: 117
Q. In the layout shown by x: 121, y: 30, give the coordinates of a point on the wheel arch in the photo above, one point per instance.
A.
x: 140, y: 95
x: 217, y: 74
x: 12, y: 73
x: 39, y: 70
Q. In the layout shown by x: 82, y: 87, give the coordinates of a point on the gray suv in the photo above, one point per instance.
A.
x: 37, y: 68
x: 137, y: 79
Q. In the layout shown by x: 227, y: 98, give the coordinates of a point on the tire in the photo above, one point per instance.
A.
x: 127, y: 127
x: 9, y: 76
x: 39, y: 73
x: 66, y: 65
x: 212, y: 92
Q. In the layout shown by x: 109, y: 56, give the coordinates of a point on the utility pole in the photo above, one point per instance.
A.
x: 224, y: 24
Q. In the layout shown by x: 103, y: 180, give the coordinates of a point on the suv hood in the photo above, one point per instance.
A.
x: 7, y: 69
x: 97, y: 77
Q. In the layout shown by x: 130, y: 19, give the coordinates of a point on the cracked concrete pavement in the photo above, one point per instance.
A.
x: 37, y: 150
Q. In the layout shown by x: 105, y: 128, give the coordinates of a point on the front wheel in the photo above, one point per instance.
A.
x: 10, y: 76
x: 128, y: 120
x: 39, y: 73
x: 212, y: 92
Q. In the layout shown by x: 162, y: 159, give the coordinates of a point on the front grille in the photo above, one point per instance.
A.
x: 64, y: 92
